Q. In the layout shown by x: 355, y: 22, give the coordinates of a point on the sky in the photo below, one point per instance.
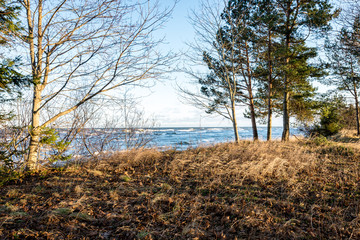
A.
x: 163, y: 101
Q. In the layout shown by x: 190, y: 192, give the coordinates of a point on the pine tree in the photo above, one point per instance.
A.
x: 297, y: 20
x: 238, y: 33
x: 11, y: 83
x: 220, y: 86
x: 344, y: 64
x: 275, y: 37
x: 231, y: 64
x: 267, y: 74
x: 10, y: 79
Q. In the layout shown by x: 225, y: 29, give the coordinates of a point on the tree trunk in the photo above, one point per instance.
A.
x: 253, y: 119
x: 234, y: 122
x: 355, y: 94
x: 286, y: 118
x: 286, y: 121
x: 251, y: 98
x: 269, y: 125
x: 36, y: 64
x: 357, y: 114
x: 32, y: 161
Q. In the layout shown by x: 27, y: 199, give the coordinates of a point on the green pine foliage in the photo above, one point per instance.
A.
x: 333, y: 114
x: 11, y: 80
x: 55, y: 147
x: 329, y: 121
x: 9, y: 23
x: 231, y: 64
x: 264, y: 43
x: 344, y: 64
x: 216, y: 83
x: 275, y: 32
x: 239, y: 34
x: 300, y: 73
x: 11, y: 84
x: 297, y: 21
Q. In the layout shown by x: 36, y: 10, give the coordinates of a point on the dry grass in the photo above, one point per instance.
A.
x: 296, y: 190
x: 258, y: 161
x: 347, y: 136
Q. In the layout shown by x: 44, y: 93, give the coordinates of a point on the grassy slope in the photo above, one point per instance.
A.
x: 297, y: 190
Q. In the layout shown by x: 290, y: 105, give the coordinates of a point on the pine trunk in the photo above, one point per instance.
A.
x: 269, y: 122
x: 355, y: 94
x: 357, y: 114
x: 253, y: 120
x: 251, y: 98
x: 236, y: 132
x: 286, y: 118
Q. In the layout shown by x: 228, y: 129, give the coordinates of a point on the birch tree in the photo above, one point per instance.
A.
x: 90, y: 47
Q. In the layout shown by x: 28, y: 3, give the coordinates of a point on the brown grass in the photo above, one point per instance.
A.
x: 296, y: 190
x: 230, y: 163
x: 346, y: 136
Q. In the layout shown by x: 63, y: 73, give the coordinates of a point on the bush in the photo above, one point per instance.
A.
x: 333, y: 115
x: 320, y: 140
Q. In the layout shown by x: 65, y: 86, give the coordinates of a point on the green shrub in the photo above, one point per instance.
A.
x: 332, y: 116
x: 50, y: 137
x: 320, y: 140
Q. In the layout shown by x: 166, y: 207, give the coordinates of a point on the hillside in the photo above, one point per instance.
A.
x: 298, y: 190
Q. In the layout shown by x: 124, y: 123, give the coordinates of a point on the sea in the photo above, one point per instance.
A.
x: 100, y: 140
x: 193, y: 137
